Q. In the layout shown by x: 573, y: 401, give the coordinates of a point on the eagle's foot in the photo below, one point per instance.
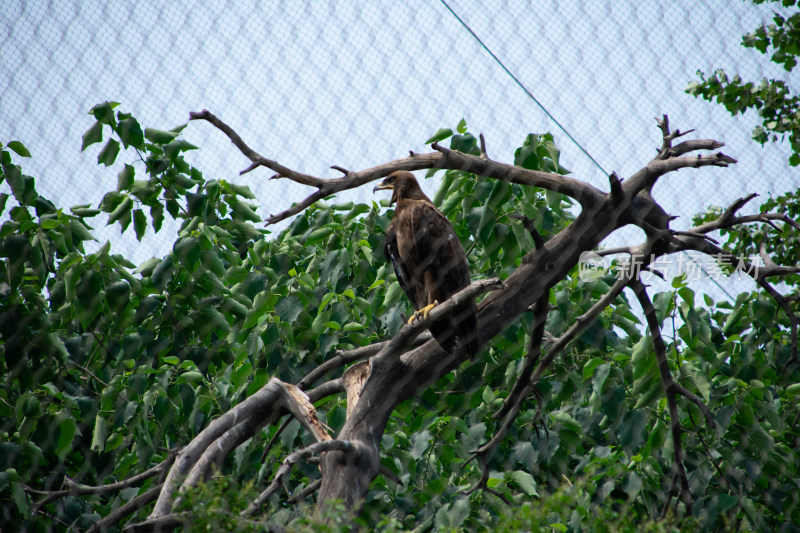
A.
x: 422, y: 314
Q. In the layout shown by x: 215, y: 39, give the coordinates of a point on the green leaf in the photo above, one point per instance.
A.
x: 19, y: 148
x: 83, y: 212
x: 20, y: 498
x: 630, y: 431
x: 117, y: 295
x: 157, y: 215
x: 687, y: 295
x: 440, y: 135
x: 188, y: 250
x: 125, y: 178
x: 121, y: 211
x: 93, y: 135
x: 393, y: 295
x: 189, y: 377
x: 318, y: 235
x: 100, y: 434
x: 245, y: 212
x: 159, y: 136
x: 66, y: 435
x: 242, y: 190
x: 16, y: 181
x: 525, y: 482
x: 131, y: 133
x: 588, y: 368
x: 289, y: 308
x: 139, y: 223
x: 104, y: 113
x: 162, y: 274
x: 108, y: 154
x: 174, y: 148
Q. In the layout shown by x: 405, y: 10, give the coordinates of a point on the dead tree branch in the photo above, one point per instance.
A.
x: 265, y: 403
x: 295, y: 457
x: 672, y: 389
x: 75, y: 489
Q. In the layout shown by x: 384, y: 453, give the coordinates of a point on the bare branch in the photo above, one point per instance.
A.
x: 79, y: 489
x: 310, y: 489
x: 357, y: 354
x: 647, y: 177
x: 667, y: 150
x: 671, y: 389
x: 584, y: 193
x: 295, y: 457
x: 268, y: 401
x: 323, y: 390
x: 408, y: 333
x: 252, y: 155
x: 341, y: 169
x: 127, y: 509
x: 159, y: 524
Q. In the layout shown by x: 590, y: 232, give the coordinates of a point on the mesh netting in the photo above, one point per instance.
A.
x: 356, y: 84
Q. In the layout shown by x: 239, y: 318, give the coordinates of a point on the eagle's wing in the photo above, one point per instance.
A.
x: 404, y: 277
x: 442, y: 260
x: 442, y: 270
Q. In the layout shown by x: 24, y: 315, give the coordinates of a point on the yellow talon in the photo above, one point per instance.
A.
x: 424, y: 312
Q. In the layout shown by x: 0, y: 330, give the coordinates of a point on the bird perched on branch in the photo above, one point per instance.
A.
x: 429, y: 262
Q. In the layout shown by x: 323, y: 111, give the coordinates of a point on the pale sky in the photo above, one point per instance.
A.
x: 358, y: 84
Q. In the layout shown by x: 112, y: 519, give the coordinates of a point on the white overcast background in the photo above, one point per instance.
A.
x: 356, y: 84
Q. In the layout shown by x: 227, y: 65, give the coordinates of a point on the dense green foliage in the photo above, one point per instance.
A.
x: 776, y: 101
x: 107, y: 366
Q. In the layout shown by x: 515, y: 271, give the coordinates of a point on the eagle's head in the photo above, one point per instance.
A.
x: 403, y: 185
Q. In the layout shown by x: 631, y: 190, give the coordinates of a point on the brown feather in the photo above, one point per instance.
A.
x: 429, y: 260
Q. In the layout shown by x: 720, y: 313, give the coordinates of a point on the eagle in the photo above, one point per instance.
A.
x: 429, y: 262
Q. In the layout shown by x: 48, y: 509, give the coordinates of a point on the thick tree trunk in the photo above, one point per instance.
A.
x: 347, y: 479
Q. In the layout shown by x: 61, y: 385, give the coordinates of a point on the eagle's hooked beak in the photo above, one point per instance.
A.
x: 382, y: 186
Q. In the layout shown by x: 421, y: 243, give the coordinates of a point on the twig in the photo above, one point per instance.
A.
x: 78, y: 489
x: 127, y: 509
x: 484, y: 154
x: 274, y: 438
x: 310, y: 489
x: 87, y: 372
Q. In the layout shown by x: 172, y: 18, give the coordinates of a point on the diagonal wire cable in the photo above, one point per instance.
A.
x: 555, y: 121
x: 522, y: 86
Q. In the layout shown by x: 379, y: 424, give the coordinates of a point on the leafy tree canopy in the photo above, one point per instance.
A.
x: 110, y: 368
x: 776, y: 102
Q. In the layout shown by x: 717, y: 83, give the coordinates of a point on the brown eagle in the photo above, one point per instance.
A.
x: 429, y: 261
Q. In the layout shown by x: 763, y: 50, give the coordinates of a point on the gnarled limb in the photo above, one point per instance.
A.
x: 267, y: 402
x: 300, y: 455
x: 672, y: 389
